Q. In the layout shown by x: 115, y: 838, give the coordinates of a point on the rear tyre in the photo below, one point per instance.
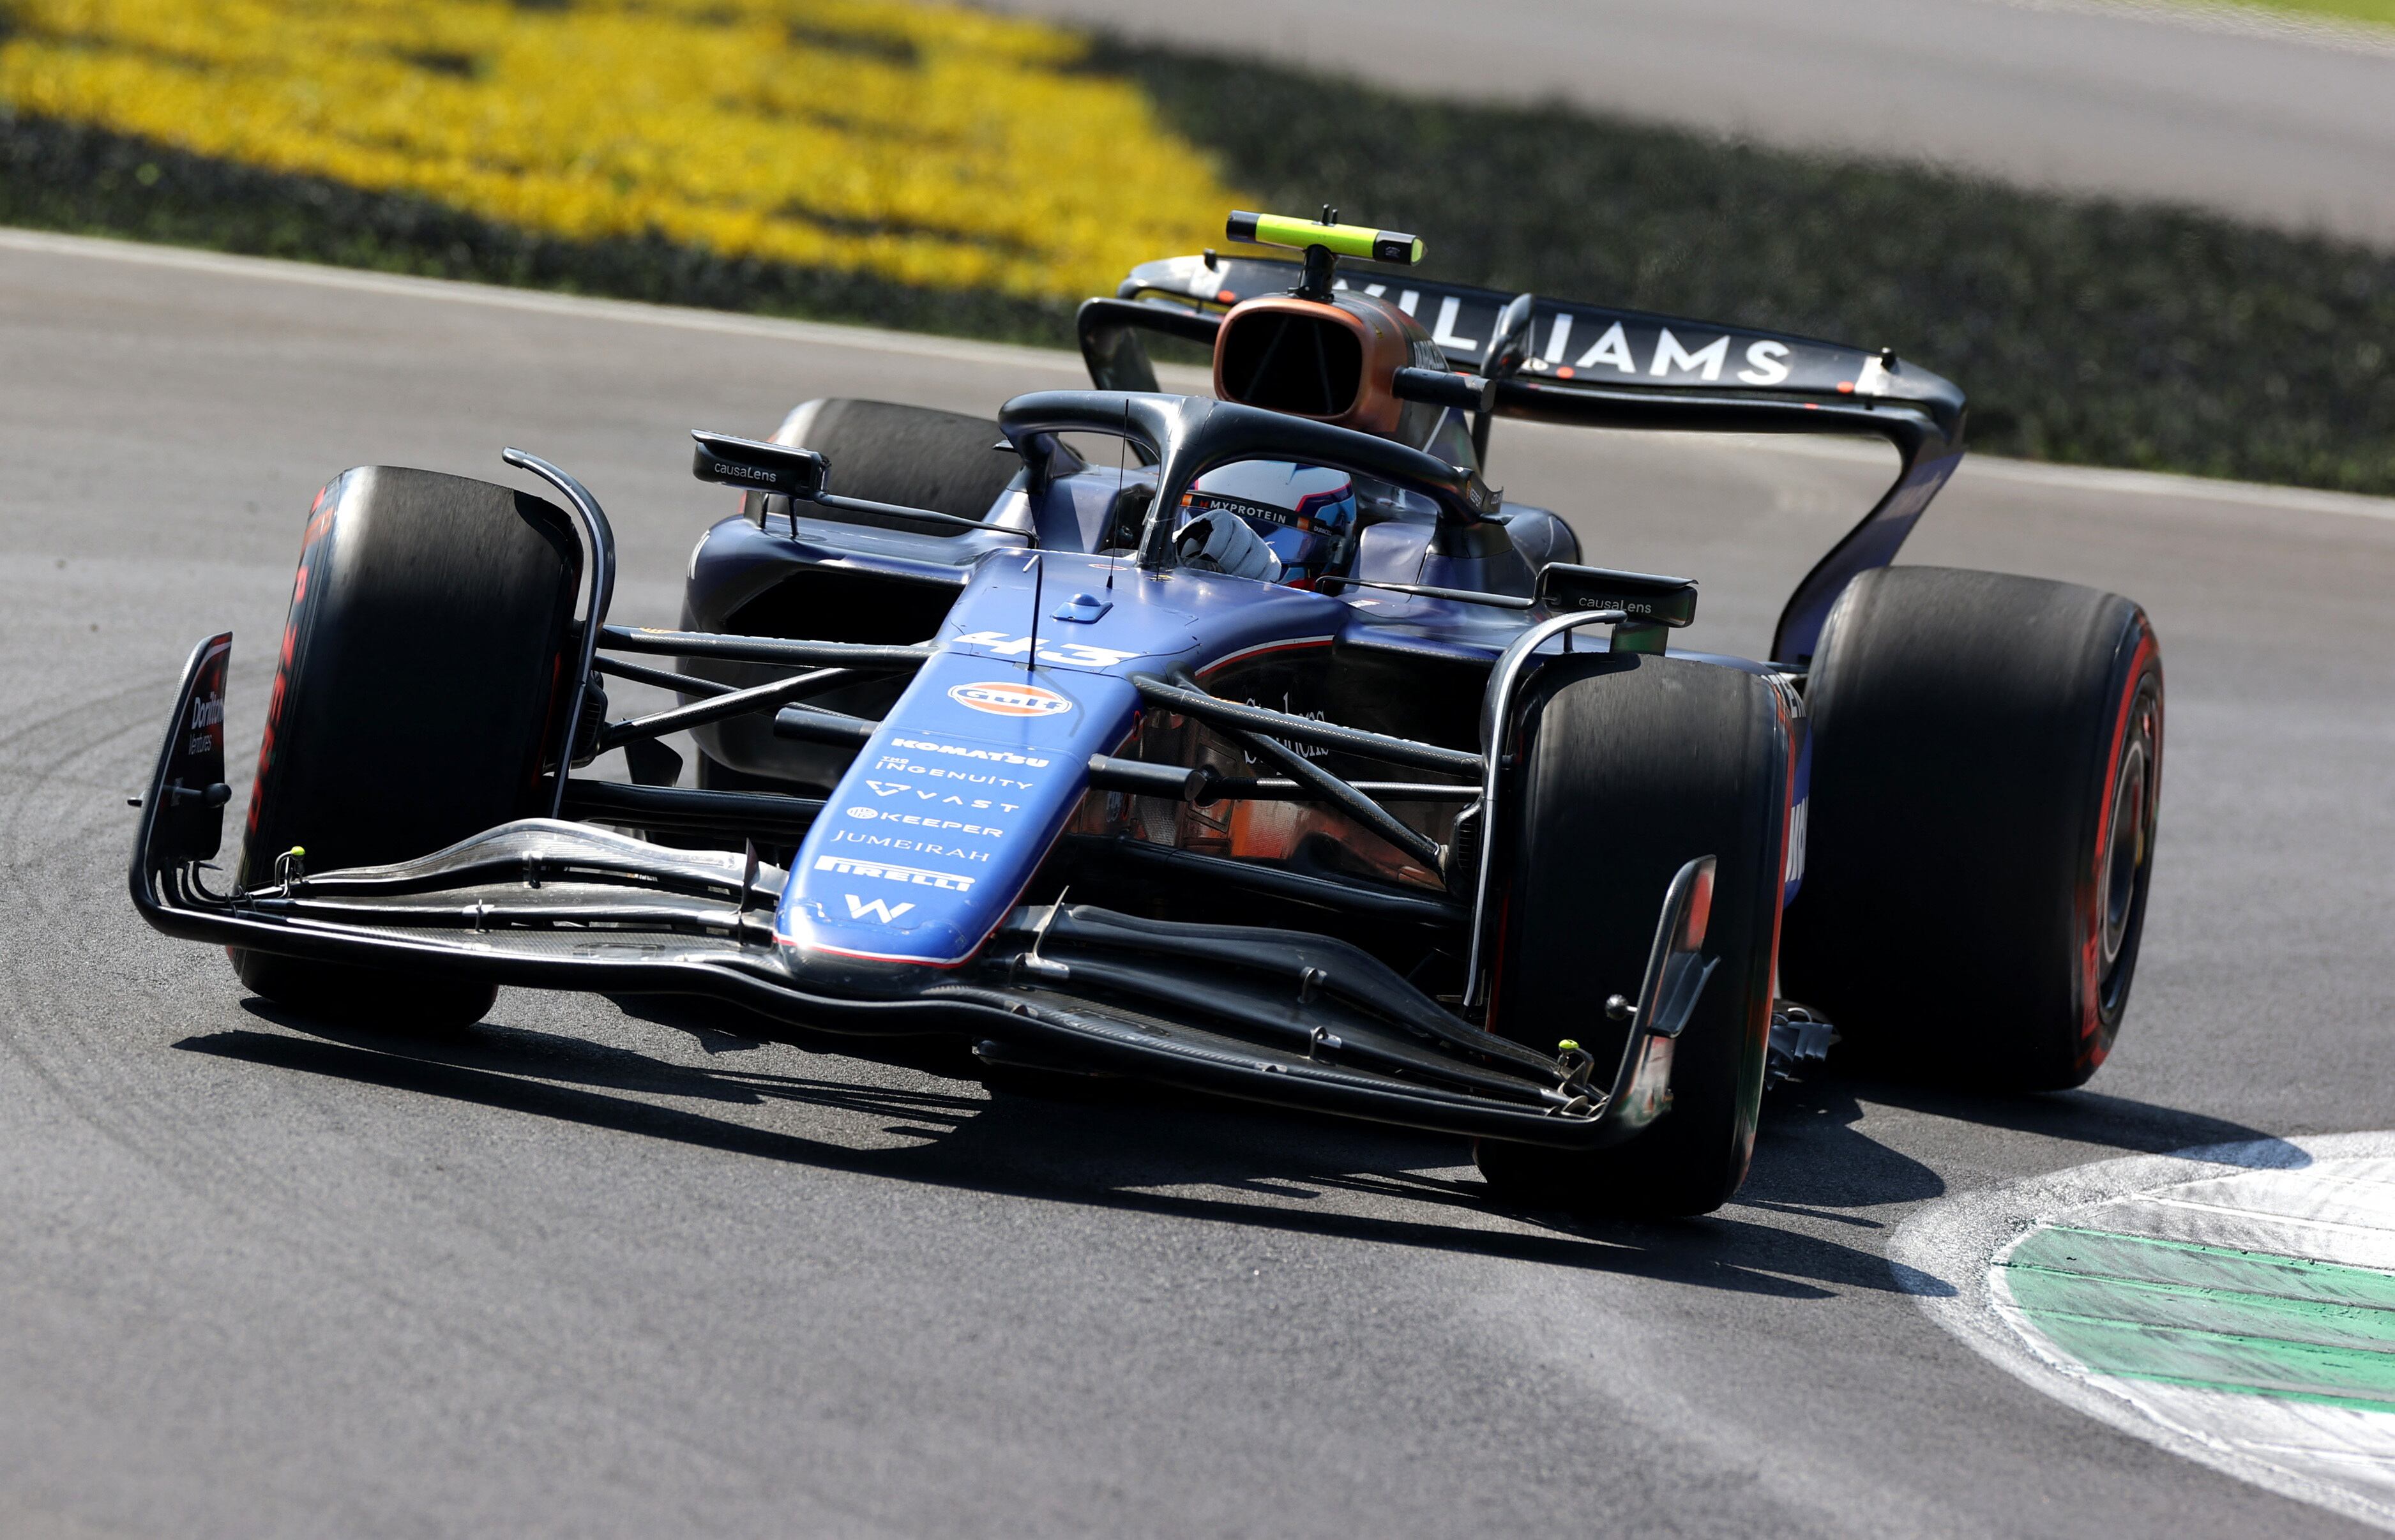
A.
x: 1987, y: 754
x: 911, y: 456
x: 1633, y: 765
x: 414, y: 698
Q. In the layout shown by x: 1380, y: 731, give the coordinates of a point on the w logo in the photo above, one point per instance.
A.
x: 882, y: 909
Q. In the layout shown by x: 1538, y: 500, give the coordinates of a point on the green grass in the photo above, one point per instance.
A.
x: 2381, y: 12
x: 2083, y: 330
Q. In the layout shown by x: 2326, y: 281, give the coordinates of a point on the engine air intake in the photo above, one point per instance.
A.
x: 1288, y: 361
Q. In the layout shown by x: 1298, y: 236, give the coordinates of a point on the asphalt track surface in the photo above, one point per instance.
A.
x: 587, y: 1271
x: 2288, y: 123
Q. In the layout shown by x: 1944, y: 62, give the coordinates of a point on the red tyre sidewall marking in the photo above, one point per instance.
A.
x: 312, y: 542
x: 2093, y: 1050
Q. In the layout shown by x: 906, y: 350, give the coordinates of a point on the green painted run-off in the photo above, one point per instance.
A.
x: 2180, y: 1313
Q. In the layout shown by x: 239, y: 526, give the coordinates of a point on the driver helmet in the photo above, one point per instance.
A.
x: 1305, y: 513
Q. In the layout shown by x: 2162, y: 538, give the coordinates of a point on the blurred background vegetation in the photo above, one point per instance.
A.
x: 2083, y: 330
x: 930, y: 168
x: 2374, y: 12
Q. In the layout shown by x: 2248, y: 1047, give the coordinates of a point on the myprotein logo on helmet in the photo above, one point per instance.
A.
x: 999, y: 698
x: 1254, y: 512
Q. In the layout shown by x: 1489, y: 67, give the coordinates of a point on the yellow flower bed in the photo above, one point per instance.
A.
x: 927, y: 144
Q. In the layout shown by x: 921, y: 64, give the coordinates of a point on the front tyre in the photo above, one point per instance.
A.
x: 414, y: 698
x: 1987, y: 759
x: 1633, y: 765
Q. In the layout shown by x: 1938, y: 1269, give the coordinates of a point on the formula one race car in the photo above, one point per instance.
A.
x: 1272, y: 754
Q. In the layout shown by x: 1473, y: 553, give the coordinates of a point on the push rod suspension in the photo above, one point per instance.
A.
x: 1363, y: 809
x: 1282, y: 789
x: 809, y: 725
x: 758, y: 698
x: 765, y: 649
x: 1218, y: 712
x: 664, y: 679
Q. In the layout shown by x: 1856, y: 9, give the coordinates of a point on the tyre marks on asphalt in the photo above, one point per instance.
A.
x: 327, y: 1240
x: 2235, y: 1305
x: 64, y: 775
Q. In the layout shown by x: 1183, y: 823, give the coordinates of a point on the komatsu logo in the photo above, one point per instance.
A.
x: 1013, y: 700
x: 1000, y: 756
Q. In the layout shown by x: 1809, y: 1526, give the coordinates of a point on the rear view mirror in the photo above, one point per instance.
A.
x: 758, y: 466
x: 1648, y: 599
x: 1510, y: 343
x: 1440, y: 388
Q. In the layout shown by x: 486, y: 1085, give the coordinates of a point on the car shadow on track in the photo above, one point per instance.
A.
x: 1132, y: 1147
x: 2081, y: 1116
x: 1811, y: 1160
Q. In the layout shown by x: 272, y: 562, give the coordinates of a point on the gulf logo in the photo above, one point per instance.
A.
x: 1010, y: 700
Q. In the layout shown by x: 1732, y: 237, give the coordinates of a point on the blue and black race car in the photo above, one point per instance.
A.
x: 1249, y: 743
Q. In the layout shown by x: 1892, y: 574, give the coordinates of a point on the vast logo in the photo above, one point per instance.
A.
x: 1010, y: 700
x: 882, y: 909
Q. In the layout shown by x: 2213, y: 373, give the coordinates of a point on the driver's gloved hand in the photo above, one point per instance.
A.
x: 1221, y: 541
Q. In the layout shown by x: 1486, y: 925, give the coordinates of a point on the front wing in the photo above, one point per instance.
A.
x: 1278, y: 1016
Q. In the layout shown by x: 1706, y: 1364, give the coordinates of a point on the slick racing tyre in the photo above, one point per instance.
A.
x: 1987, y: 755
x: 1633, y: 766
x: 412, y: 705
x: 911, y: 456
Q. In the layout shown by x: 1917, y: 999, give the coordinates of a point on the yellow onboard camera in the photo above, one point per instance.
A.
x: 1324, y: 241
x: 1283, y: 230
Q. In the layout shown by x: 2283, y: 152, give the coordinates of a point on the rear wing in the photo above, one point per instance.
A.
x: 1597, y: 366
